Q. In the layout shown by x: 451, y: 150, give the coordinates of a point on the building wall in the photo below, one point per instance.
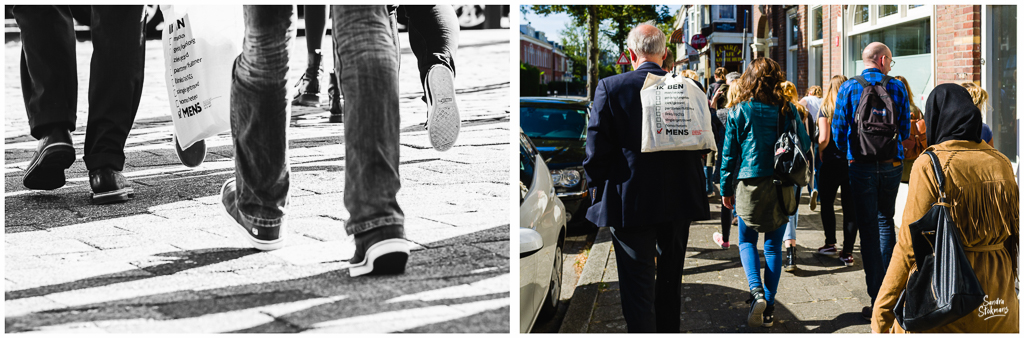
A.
x: 958, y: 44
x: 552, y: 63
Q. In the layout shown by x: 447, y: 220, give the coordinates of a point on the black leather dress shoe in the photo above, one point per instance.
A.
x: 193, y: 156
x: 54, y: 154
x: 334, y: 93
x: 380, y: 251
x: 109, y: 186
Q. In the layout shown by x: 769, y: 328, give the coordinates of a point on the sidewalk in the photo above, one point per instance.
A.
x: 166, y: 262
x: 821, y: 296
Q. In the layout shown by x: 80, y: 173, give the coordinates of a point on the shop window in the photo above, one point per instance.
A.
x: 910, y: 44
x: 1002, y: 79
x: 914, y: 6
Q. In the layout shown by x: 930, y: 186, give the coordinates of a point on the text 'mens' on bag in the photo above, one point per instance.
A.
x: 676, y: 115
x: 877, y: 132
x: 200, y: 46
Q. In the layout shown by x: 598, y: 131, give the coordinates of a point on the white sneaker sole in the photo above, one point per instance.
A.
x: 256, y: 243
x: 386, y: 247
x: 755, y: 318
x: 443, y: 122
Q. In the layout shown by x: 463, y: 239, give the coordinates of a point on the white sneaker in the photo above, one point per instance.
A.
x: 814, y: 200
x: 443, y: 121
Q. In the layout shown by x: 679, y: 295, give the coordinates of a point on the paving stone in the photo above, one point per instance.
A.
x: 60, y: 246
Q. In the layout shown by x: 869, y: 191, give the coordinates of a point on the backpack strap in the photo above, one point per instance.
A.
x: 885, y: 80
x: 937, y: 167
x: 863, y: 82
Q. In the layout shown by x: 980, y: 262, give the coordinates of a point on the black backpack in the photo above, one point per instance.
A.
x: 877, y: 132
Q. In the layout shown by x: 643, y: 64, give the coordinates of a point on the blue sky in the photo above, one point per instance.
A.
x: 554, y: 23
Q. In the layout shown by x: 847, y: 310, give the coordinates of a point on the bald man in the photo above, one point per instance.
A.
x: 874, y: 180
x: 648, y: 199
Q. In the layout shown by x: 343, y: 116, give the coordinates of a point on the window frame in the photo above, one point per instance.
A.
x: 716, y: 10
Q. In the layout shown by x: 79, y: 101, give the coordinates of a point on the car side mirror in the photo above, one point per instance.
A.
x: 530, y: 242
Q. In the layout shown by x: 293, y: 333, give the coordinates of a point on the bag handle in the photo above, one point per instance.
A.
x: 937, y: 167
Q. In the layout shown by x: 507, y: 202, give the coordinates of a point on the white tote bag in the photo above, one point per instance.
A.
x: 676, y: 115
x: 200, y: 46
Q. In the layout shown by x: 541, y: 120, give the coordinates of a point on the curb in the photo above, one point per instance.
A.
x: 581, y: 306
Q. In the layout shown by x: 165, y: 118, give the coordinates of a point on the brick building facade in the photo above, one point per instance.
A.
x: 536, y: 50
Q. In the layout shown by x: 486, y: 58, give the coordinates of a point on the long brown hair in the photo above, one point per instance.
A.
x: 794, y: 97
x: 762, y: 82
x: 915, y: 112
x: 828, y: 104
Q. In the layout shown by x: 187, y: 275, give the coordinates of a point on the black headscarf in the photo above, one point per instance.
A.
x: 951, y: 115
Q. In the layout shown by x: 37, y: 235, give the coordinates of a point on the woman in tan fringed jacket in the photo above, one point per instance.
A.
x: 982, y: 191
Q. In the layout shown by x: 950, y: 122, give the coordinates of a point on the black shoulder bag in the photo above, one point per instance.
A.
x: 944, y: 288
x: 790, y: 161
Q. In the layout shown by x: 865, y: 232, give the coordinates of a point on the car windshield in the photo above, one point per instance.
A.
x: 553, y: 123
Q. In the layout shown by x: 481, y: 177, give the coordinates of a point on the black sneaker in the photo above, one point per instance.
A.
x: 53, y: 154
x: 790, y: 264
x: 443, y: 121
x: 193, y: 156
x: 758, y: 304
x: 262, y: 238
x: 334, y: 94
x: 109, y: 186
x: 866, y: 313
x: 769, y: 316
x: 380, y: 251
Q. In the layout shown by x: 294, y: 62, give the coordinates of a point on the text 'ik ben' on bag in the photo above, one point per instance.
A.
x: 944, y: 288
x: 676, y: 115
x: 200, y: 46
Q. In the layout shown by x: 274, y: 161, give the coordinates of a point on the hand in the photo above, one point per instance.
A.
x: 729, y: 202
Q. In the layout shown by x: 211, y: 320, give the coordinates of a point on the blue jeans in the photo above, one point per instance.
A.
x: 793, y: 220
x: 366, y: 43
x: 752, y: 264
x: 873, y: 189
x: 649, y: 303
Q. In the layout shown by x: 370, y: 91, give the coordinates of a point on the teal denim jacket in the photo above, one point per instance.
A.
x: 749, y: 147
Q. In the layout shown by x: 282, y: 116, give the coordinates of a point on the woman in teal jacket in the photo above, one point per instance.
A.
x: 748, y: 155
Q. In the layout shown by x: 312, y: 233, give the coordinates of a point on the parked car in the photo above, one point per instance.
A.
x: 541, y: 238
x: 558, y: 126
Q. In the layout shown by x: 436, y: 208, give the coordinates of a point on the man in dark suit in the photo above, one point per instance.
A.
x: 648, y: 199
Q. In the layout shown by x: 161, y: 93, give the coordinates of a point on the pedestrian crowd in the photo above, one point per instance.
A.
x: 367, y: 53
x: 861, y: 136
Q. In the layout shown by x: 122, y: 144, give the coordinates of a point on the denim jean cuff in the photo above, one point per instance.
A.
x: 361, y: 227
x: 261, y: 222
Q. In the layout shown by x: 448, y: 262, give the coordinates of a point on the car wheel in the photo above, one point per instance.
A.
x: 550, y: 306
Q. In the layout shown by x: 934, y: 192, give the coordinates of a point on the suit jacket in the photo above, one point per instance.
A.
x: 634, y: 189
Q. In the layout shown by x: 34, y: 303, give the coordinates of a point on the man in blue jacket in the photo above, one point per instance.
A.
x: 874, y: 183
x: 648, y: 199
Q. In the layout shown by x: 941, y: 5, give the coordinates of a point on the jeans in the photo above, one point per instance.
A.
x: 836, y: 175
x: 365, y: 39
x: 752, y: 264
x: 433, y: 35
x: 49, y: 75
x: 647, y: 307
x: 874, y: 187
x: 793, y: 220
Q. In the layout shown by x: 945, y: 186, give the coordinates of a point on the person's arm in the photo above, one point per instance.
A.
x: 714, y: 99
x: 801, y: 132
x: 843, y: 119
x: 904, y: 115
x: 599, y: 144
x: 824, y: 133
x: 922, y: 194
x: 731, y: 151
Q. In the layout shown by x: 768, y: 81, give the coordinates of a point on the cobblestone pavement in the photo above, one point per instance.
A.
x: 166, y: 262
x: 821, y: 296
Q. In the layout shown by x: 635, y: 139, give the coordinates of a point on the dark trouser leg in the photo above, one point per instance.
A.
x: 672, y: 238
x: 634, y: 254
x: 726, y: 223
x: 433, y: 36
x: 864, y: 183
x: 259, y: 114
x: 830, y: 183
x: 366, y: 44
x: 316, y: 23
x: 49, y: 73
x: 115, y: 82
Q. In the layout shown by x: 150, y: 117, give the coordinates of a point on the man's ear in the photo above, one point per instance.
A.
x: 665, y: 55
x: 632, y: 55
